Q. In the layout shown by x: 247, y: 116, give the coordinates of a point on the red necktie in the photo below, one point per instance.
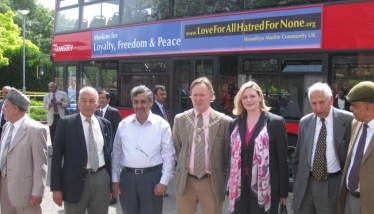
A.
x: 354, y: 175
x: 54, y: 104
x: 101, y: 113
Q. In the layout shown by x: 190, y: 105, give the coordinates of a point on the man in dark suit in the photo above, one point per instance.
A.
x: 159, y: 93
x: 356, y: 188
x: 4, y: 94
x: 111, y: 114
x: 341, y: 102
x: 81, y: 161
x: 108, y: 112
x: 320, y: 153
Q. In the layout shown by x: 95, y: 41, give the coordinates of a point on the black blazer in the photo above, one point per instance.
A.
x: 156, y: 110
x: 114, y: 118
x: 276, y: 128
x: 347, y: 104
x: 70, y: 148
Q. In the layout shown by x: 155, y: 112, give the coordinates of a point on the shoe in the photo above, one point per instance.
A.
x: 166, y: 195
x: 113, y: 201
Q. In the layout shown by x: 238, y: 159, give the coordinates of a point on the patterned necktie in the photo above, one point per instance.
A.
x: 101, y: 113
x: 164, y: 112
x: 354, y: 175
x: 94, y: 157
x: 54, y: 104
x: 5, y: 151
x: 199, y: 160
x: 319, y: 170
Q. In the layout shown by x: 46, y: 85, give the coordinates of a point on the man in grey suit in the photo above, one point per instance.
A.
x: 201, y: 139
x: 55, y: 102
x: 23, y: 158
x: 320, y: 154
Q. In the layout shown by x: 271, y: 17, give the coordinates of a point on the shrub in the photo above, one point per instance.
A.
x: 38, y: 113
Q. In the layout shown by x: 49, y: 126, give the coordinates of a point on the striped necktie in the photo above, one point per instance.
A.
x: 199, y: 158
x: 94, y: 157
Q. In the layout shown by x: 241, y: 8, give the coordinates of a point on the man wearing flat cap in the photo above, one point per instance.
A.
x: 23, y: 161
x: 357, y: 189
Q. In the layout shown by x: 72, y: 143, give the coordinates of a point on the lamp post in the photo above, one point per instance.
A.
x: 24, y: 12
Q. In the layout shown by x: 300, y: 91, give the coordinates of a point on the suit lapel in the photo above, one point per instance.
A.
x: 188, y: 125
x: 79, y: 128
x: 213, y: 129
x: 309, y: 131
x: 369, y: 150
x: 338, y: 129
x: 242, y: 128
x: 20, y: 133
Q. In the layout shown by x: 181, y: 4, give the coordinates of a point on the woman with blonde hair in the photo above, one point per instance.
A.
x: 258, y: 174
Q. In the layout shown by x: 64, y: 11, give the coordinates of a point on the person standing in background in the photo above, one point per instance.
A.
x: 55, y: 102
x: 23, y: 158
x: 356, y: 188
x: 4, y: 94
x: 159, y: 92
x: 201, y: 139
x: 258, y: 173
x: 320, y: 154
x: 341, y: 102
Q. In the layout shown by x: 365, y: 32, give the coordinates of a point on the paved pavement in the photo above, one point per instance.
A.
x: 169, y: 207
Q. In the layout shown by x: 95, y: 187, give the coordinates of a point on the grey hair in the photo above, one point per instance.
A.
x: 140, y: 90
x: 320, y: 87
x: 91, y: 90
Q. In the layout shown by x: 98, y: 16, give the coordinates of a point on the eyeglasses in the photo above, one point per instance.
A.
x: 138, y: 148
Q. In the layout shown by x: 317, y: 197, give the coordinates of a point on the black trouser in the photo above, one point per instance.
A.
x: 52, y: 129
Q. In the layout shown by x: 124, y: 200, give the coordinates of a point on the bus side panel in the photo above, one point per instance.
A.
x: 348, y: 26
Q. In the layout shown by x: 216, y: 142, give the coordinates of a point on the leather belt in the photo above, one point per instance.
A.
x: 331, y: 175
x: 140, y: 171
x: 355, y: 194
x: 91, y: 171
x: 194, y: 176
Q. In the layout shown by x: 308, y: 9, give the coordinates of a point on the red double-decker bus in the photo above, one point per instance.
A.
x: 285, y: 46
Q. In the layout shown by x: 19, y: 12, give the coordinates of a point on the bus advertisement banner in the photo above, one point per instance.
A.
x: 281, y: 29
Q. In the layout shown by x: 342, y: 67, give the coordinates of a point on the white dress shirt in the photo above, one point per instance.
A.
x: 143, y: 145
x: 5, y: 136
x: 99, y: 139
x: 331, y: 157
x: 341, y: 103
x: 369, y: 136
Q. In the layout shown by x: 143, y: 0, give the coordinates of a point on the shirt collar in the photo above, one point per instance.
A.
x: 151, y: 118
x: 371, y: 124
x: 18, y: 123
x: 105, y: 108
x: 205, y: 114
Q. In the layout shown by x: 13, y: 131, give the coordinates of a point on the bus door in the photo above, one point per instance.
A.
x: 184, y: 71
x: 65, y: 77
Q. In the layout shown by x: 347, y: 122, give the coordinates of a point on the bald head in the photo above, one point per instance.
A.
x: 52, y: 87
x: 5, y: 91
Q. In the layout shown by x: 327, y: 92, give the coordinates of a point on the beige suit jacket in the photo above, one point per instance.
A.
x: 62, y: 97
x: 218, y: 150
x: 366, y: 175
x: 27, y: 162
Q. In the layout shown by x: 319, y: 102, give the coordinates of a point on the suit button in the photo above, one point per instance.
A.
x: 84, y: 167
x: 83, y: 179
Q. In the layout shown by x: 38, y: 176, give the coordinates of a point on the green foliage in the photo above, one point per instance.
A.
x: 38, y: 113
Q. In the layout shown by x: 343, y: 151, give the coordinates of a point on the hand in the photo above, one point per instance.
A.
x: 160, y: 189
x: 283, y: 201
x: 115, y: 190
x: 57, y: 198
x: 35, y: 200
x: 50, y: 105
x: 58, y: 103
